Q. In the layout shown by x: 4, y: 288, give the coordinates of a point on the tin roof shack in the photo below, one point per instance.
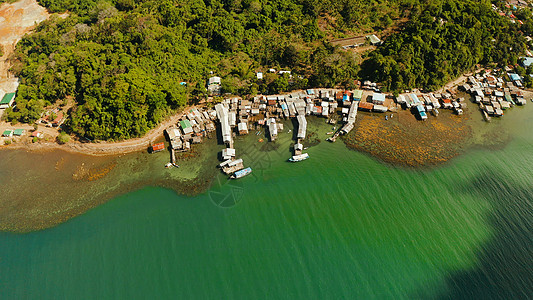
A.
x: 231, y: 166
x: 421, y: 112
x: 447, y: 103
x: 302, y: 127
x: 520, y: 101
x: 414, y: 100
x: 352, y: 114
x: 7, y: 100
x: 366, y: 106
x: 37, y: 134
x: 271, y: 100
x: 158, y: 147
x: 228, y: 153
x: 325, y: 108
x: 526, y: 61
x: 379, y: 108
x: 222, y: 115
x: 378, y: 98
x: 7, y: 133
x: 374, y: 40
x: 514, y: 77
x: 357, y: 95
x: 213, y: 85
x: 489, y: 109
x: 232, y: 118
x: 272, y: 129
x: 400, y: 99
x: 434, y: 102
x: 173, y: 133
x: 285, y: 108
x: 243, y: 128
x: 59, y: 120
x: 186, y: 127
x: 505, y: 104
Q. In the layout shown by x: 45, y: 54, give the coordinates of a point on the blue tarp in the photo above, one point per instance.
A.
x: 283, y: 106
x: 310, y: 92
x: 420, y: 109
x: 345, y: 98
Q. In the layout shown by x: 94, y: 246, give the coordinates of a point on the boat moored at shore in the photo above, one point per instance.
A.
x: 297, y: 158
x: 241, y: 173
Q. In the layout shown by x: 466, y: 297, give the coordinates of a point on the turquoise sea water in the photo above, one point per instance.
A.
x: 340, y: 225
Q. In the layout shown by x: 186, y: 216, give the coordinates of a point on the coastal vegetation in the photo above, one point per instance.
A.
x: 122, y: 61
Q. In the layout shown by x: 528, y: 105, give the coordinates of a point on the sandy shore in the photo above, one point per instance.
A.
x: 97, y: 148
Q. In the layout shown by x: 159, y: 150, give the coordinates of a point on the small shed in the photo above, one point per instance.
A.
x: 374, y: 40
x: 7, y: 133
x: 380, y: 108
x: 357, y: 95
x: 37, y: 134
x: 158, y: 147
x: 18, y: 132
x: 7, y: 100
x: 243, y: 128
x: 196, y: 139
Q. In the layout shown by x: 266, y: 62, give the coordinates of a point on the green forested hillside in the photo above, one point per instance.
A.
x: 121, y: 61
x: 447, y: 38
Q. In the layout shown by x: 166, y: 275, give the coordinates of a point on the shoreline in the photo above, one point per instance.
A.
x: 103, y: 148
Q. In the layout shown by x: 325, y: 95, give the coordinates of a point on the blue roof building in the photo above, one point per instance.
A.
x: 414, y: 99
x: 514, y: 77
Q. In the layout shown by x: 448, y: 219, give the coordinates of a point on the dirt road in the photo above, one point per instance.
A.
x: 16, y: 20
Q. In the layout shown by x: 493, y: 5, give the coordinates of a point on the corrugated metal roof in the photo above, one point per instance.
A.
x: 7, y: 98
x: 358, y: 94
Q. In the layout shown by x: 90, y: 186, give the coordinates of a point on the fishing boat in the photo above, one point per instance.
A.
x: 241, y: 173
x: 297, y: 158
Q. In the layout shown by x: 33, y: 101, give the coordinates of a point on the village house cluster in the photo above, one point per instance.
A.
x: 494, y: 94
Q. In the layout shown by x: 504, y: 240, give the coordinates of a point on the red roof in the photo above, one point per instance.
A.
x: 366, y: 105
x: 59, y: 118
x: 158, y: 147
x: 446, y: 100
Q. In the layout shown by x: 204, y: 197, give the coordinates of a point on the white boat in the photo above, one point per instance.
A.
x: 241, y: 173
x: 169, y: 165
x: 297, y: 158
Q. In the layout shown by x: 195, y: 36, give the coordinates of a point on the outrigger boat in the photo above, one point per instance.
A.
x: 297, y: 158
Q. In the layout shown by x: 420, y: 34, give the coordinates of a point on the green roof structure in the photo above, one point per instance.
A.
x: 6, y: 100
x: 18, y: 132
x: 357, y: 94
x: 185, y: 124
x: 7, y: 132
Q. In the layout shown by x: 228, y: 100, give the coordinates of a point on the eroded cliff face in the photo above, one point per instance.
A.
x: 16, y: 19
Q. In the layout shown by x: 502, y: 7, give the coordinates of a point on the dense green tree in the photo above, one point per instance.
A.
x: 123, y: 61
